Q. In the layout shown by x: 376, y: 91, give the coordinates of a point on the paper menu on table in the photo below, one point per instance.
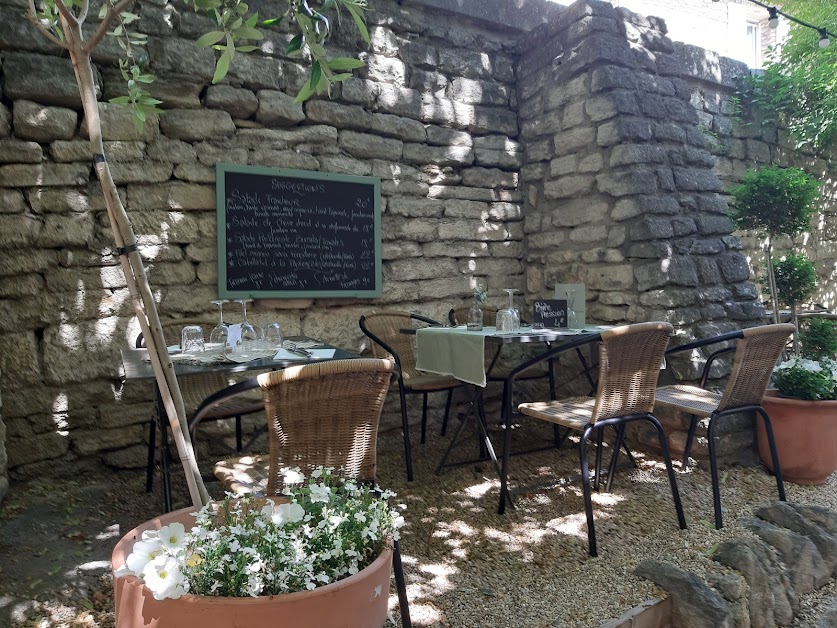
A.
x: 317, y: 354
x: 233, y: 334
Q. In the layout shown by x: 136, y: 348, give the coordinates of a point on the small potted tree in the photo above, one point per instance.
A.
x: 796, y: 280
x: 774, y: 202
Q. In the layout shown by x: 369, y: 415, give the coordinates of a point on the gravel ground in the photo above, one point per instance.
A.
x: 465, y: 565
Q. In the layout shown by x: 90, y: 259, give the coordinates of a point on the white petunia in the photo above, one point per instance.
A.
x: 320, y: 493
x: 172, y: 535
x: 293, y: 476
x: 142, y: 554
x: 163, y: 578
x: 287, y: 513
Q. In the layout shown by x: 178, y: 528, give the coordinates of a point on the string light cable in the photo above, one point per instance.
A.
x: 773, y: 22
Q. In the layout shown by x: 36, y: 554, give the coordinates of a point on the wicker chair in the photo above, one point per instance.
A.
x: 195, y: 389
x: 629, y: 365
x: 319, y: 415
x: 389, y: 341
x: 757, y: 350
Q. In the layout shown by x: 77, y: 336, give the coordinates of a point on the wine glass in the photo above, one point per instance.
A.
x: 218, y: 335
x: 191, y: 339
x: 572, y: 317
x: 272, y: 336
x: 249, y: 333
x: 514, y: 311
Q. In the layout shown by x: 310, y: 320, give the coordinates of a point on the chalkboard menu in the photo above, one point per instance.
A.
x: 551, y: 313
x: 293, y: 233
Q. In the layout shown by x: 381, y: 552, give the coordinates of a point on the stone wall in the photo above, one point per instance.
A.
x: 593, y: 128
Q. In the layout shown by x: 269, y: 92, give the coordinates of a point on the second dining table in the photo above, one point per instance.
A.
x: 460, y: 352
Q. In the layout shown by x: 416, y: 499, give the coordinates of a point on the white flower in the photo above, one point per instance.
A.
x: 142, y: 554
x: 171, y: 536
x: 287, y: 513
x: 163, y: 578
x: 320, y: 493
x: 293, y: 476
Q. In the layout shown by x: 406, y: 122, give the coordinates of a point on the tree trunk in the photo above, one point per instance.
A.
x: 771, y: 279
x: 142, y: 298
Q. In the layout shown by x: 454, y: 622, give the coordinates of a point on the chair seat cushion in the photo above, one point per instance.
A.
x: 424, y: 381
x: 691, y: 399
x: 573, y: 412
x: 244, y: 474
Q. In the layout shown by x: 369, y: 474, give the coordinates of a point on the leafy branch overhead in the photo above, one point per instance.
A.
x: 314, y: 26
x: 236, y: 31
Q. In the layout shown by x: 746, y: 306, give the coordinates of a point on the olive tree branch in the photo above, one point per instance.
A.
x: 66, y: 13
x: 30, y: 15
x: 112, y: 13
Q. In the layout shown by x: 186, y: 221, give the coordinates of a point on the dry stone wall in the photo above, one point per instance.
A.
x: 433, y: 115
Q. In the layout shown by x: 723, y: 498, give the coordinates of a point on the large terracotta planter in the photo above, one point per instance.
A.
x: 359, y: 601
x: 806, y: 438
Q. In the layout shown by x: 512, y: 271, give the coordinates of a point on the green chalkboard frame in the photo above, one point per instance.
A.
x: 221, y: 169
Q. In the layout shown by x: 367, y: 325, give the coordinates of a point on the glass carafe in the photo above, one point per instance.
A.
x: 475, y: 316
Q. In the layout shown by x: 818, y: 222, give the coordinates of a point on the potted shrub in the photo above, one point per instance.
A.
x: 796, y: 280
x: 321, y: 556
x: 803, y: 407
x: 774, y: 202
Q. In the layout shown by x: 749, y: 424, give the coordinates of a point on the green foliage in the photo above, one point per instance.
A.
x: 796, y: 278
x: 799, y: 84
x: 775, y: 201
x: 819, y: 338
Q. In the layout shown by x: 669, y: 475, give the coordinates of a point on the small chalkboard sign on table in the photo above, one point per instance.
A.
x: 550, y: 313
x: 293, y: 233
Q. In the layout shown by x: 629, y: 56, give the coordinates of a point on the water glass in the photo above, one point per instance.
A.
x: 505, y: 321
x: 272, y: 336
x: 191, y: 339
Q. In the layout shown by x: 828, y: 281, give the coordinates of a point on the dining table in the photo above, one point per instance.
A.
x: 460, y: 352
x: 301, y: 350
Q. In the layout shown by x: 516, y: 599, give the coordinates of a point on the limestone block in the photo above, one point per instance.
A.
x: 440, y: 155
x: 650, y: 228
x: 456, y: 249
x: 210, y: 153
x: 283, y: 159
x: 79, y: 150
x: 18, y: 230
x: 623, y: 130
x: 443, y: 136
x: 415, y: 207
x: 473, y: 92
x: 21, y: 262
x: 45, y: 79
x: 668, y: 132
x: 89, y: 442
x: 428, y: 82
x: 66, y: 231
x: 413, y: 270
x: 505, y: 212
x: 626, y: 154
x: 611, y: 277
x: 118, y: 124
x: 673, y: 271
x: 437, y: 175
x: 208, y: 274
x: 171, y: 196
x: 278, y: 108
x: 733, y: 266
x: 45, y: 174
x: 400, y: 250
x: 568, y: 186
x: 5, y: 121
x: 588, y: 234
x: 563, y: 165
x: 194, y: 173
x: 175, y: 94
x: 417, y: 53
x: 183, y: 124
x: 573, y: 141
x: 19, y: 359
x: 40, y: 123
x: 238, y: 102
x: 627, y: 182
x: 574, y: 212
x: 472, y: 230
x: 75, y: 199
x: 405, y: 188
x: 140, y: 172
x: 35, y: 448
x: 400, y: 128
x: 12, y: 202
x: 456, y: 208
x: 691, y: 179
x: 173, y: 55
x: 488, y: 120
x: 397, y: 228
x: 346, y: 165
x: 337, y: 115
x: 692, y: 246
x: 175, y: 151
x: 489, y: 178
x: 499, y: 158
x: 473, y: 194
x: 16, y: 151
x: 383, y: 69
x: 192, y: 301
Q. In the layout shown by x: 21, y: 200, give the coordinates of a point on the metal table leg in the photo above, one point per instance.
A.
x: 164, y: 450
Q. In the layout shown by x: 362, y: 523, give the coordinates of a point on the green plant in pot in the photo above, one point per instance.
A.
x: 796, y: 280
x: 803, y: 407
x: 774, y: 202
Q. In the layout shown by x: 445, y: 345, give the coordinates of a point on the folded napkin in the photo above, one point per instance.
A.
x: 316, y: 354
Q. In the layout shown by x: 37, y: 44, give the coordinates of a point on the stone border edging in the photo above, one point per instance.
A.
x: 652, y: 613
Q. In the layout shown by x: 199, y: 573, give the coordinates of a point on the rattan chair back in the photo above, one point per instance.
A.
x: 459, y: 315
x: 387, y: 326
x: 325, y: 414
x: 756, y: 353
x: 629, y: 366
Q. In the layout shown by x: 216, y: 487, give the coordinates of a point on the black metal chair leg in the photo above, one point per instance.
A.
x: 550, y: 373
x: 689, y: 438
x: 238, y: 437
x: 423, y: 417
x: 585, y: 484
x: 447, y: 412
x: 611, y: 470
x: 774, y: 454
x: 405, y: 428
x: 152, y: 453
x: 713, y: 466
x: 481, y: 417
x: 599, y: 443
x: 164, y: 466
x: 672, y: 480
x: 401, y: 586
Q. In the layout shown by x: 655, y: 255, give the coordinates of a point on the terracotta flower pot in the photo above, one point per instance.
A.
x: 359, y: 601
x: 806, y: 437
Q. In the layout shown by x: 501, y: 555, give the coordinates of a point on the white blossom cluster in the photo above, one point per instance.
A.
x: 327, y: 530
x: 806, y: 378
